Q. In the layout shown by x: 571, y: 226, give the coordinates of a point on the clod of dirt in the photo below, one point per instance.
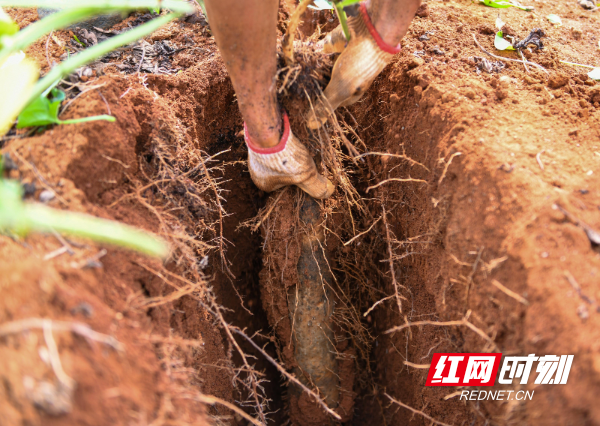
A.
x: 415, y: 62
x: 486, y: 30
x: 595, y: 95
x: 588, y: 4
x: 423, y: 11
x: 556, y: 81
x: 469, y: 93
x: 484, y: 64
x: 501, y: 93
x: 576, y: 33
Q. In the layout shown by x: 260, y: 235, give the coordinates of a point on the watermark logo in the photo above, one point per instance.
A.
x: 463, y: 369
x: 451, y: 369
x: 551, y: 369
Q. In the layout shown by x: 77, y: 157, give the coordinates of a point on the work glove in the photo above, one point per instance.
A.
x: 288, y: 163
x: 360, y: 62
x: 334, y: 42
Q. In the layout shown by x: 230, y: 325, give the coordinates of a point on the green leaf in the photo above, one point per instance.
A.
x: 594, y: 74
x: 501, y: 44
x: 78, y: 41
x: 503, y: 4
x: 40, y: 112
x: 499, y: 4
x: 43, y: 111
x: 554, y: 19
x: 345, y: 3
x: 7, y: 26
x: 321, y: 5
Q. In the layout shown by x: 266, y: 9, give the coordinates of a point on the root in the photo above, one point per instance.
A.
x: 290, y: 34
x: 395, y: 180
x: 464, y: 322
x: 388, y: 239
x: 431, y: 419
x: 210, y: 400
x: 207, y: 301
x: 510, y: 293
x: 403, y: 156
x: 288, y: 376
x: 80, y: 328
x: 456, y: 154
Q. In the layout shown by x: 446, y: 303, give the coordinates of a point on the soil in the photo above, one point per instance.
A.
x: 505, y: 183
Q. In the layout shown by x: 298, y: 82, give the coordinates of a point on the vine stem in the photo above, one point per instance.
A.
x: 94, y: 52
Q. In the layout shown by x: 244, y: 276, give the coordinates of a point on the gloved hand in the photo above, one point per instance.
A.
x: 288, y: 163
x: 365, y: 56
x: 334, y: 42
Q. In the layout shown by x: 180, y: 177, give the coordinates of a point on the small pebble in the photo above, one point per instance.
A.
x: 47, y: 196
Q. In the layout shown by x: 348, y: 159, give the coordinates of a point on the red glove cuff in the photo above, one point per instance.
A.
x: 382, y: 44
x: 274, y: 149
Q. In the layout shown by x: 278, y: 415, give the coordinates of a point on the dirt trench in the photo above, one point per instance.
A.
x: 479, y: 209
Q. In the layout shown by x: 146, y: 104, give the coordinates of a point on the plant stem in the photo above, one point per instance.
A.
x: 38, y: 217
x: 86, y: 119
x: 577, y: 65
x: 339, y: 11
x: 174, y: 5
x: 31, y: 33
x: 46, y: 219
x: 88, y: 55
x: 72, y: 13
x: 21, y: 218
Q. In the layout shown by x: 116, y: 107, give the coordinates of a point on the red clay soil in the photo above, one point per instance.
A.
x: 503, y: 156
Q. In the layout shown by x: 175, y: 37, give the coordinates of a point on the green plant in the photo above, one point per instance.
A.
x: 20, y: 87
x: 594, y: 74
x: 43, y: 111
x: 503, y: 4
x: 17, y: 217
x: 501, y: 43
x: 338, y: 6
x: 341, y: 14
